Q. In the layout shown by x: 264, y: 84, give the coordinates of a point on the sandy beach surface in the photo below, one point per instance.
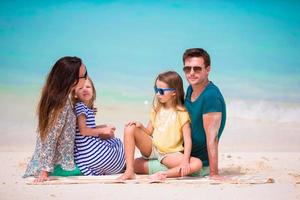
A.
x: 248, y: 148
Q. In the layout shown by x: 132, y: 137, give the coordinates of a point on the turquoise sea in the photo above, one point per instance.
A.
x: 254, y: 47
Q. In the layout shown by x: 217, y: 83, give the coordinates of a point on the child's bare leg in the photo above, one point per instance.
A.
x: 134, y: 137
x: 141, y: 166
x: 129, y: 148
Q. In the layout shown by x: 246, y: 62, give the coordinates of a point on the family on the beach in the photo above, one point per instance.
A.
x: 181, y: 137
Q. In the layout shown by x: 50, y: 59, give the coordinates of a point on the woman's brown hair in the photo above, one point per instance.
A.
x: 62, y: 77
x: 173, y: 80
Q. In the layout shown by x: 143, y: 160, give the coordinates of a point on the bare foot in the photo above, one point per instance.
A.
x: 126, y: 176
x: 158, y: 177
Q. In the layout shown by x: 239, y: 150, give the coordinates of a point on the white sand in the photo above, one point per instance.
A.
x: 282, y: 167
x: 247, y: 147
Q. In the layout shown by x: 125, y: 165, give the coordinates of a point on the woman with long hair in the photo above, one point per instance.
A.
x: 56, y: 119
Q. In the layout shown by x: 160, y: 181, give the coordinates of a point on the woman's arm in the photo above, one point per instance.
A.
x: 49, y: 144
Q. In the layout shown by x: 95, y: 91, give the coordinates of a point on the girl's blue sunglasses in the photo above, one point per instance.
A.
x: 161, y: 91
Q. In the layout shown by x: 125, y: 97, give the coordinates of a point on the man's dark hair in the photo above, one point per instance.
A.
x: 197, y: 52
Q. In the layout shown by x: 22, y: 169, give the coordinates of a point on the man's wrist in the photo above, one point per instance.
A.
x: 213, y: 173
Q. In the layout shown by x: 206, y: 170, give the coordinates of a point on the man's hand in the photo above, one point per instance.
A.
x: 217, y: 178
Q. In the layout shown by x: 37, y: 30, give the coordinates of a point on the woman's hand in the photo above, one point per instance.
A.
x: 43, y: 177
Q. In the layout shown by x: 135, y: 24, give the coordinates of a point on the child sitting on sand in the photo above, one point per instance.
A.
x: 167, y: 130
x: 97, y: 151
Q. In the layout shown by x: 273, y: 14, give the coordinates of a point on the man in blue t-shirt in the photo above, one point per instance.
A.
x: 206, y: 107
x: 207, y: 110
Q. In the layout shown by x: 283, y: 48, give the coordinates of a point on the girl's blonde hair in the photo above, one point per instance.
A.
x: 173, y: 80
x: 75, y: 99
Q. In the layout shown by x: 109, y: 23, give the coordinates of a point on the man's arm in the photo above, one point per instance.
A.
x: 212, y: 123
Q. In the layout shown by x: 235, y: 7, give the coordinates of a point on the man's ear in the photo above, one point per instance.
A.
x: 208, y: 68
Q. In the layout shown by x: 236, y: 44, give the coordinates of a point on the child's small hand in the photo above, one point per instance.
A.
x: 107, y: 132
x: 136, y: 123
x: 95, y: 110
x: 184, y: 168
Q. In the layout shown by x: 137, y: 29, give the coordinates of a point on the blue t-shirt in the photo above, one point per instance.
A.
x: 210, y: 100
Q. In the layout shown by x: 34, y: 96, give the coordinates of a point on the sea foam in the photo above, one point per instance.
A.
x: 264, y: 110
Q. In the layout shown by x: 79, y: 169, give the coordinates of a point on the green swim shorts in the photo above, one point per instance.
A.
x: 155, y: 166
x: 59, y: 171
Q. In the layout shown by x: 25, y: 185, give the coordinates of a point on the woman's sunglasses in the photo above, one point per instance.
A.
x: 84, y: 76
x: 161, y: 91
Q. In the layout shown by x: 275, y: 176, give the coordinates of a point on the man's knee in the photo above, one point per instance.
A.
x: 196, y: 164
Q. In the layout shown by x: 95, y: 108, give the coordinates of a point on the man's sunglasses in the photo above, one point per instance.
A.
x: 161, y: 91
x: 196, y: 69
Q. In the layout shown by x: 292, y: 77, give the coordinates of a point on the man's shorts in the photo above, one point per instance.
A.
x: 155, y: 166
